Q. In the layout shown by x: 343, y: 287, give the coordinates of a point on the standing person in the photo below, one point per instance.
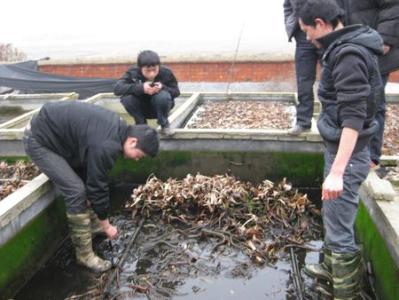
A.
x: 306, y: 58
x: 383, y: 16
x: 148, y: 90
x: 349, y: 86
x: 75, y: 145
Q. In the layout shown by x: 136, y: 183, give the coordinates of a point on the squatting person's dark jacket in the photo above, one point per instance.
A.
x: 350, y: 84
x: 133, y: 80
x: 87, y: 136
x: 382, y: 15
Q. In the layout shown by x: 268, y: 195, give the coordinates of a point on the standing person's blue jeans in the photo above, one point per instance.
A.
x: 306, y: 58
x: 377, y: 140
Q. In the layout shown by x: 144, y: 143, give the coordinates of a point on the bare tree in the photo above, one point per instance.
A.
x: 9, y: 53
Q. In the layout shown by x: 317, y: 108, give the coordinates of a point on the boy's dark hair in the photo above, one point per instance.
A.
x: 147, y: 138
x: 148, y: 58
x: 327, y: 10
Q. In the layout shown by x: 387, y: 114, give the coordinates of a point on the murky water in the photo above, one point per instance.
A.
x: 163, y: 264
x: 178, y: 268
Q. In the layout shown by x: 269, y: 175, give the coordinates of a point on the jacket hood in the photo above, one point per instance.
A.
x: 354, y: 34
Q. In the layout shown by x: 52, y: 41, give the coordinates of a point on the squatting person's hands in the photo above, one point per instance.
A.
x: 148, y: 89
x: 158, y: 87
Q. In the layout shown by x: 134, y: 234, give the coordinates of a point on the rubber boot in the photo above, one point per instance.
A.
x: 323, y: 270
x: 346, y: 275
x: 322, y: 273
x: 95, y: 225
x: 80, y: 231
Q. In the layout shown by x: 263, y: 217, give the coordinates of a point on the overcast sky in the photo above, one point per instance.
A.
x: 104, y: 28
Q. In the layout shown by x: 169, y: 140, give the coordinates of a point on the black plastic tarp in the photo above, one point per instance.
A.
x: 26, y: 78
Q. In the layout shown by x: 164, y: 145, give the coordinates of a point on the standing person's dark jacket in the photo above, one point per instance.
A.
x: 381, y: 15
x: 132, y: 82
x: 350, y: 84
x: 88, y: 137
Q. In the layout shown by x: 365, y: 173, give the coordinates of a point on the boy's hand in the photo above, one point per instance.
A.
x: 333, y: 186
x: 157, y: 87
x: 387, y: 48
x: 148, y: 89
x: 110, y: 230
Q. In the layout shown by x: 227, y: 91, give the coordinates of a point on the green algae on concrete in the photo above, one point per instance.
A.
x: 24, y: 254
x: 375, y: 249
x: 14, y: 159
x: 302, y: 169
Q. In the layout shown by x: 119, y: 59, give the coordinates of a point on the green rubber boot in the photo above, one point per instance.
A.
x: 323, y: 270
x: 346, y: 275
x: 95, y: 225
x: 80, y: 231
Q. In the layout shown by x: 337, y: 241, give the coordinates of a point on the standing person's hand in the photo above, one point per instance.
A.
x: 333, y: 186
x: 387, y: 48
x: 110, y: 230
x: 148, y: 89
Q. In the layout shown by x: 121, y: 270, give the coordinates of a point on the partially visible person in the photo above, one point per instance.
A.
x: 306, y: 59
x: 148, y: 90
x: 76, y: 144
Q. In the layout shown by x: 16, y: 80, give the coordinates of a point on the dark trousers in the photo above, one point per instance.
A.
x: 377, y: 139
x: 306, y: 58
x: 149, y: 107
x: 67, y: 180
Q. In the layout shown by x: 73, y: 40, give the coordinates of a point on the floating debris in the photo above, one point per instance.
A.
x: 14, y: 176
x: 259, y: 219
x: 391, y: 132
x: 243, y: 115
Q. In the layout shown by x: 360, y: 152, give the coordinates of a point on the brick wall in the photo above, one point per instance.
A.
x: 193, y: 71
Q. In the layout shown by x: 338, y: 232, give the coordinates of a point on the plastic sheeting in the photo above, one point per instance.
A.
x: 26, y: 78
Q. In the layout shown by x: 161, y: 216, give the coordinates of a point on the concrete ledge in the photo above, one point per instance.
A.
x: 381, y: 213
x: 24, y: 205
x: 22, y: 119
x: 178, y: 117
x: 389, y: 160
x: 47, y: 96
x: 392, y: 98
x: 26, y: 102
x: 245, y: 145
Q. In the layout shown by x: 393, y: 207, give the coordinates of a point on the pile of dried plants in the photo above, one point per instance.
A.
x: 242, y: 115
x: 391, y: 132
x: 259, y: 219
x: 14, y: 176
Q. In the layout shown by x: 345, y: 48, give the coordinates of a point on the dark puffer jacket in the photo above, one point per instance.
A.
x: 350, y: 84
x: 132, y: 82
x: 88, y: 137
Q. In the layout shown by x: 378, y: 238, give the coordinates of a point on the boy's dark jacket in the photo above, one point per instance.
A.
x: 88, y: 137
x: 350, y: 84
x: 133, y: 80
